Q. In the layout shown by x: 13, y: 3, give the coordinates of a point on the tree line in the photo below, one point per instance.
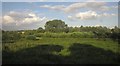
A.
x: 55, y: 27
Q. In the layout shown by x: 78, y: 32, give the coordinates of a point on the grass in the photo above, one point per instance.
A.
x: 61, y: 50
x: 66, y: 35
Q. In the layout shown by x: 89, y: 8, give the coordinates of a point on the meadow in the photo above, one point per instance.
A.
x: 61, y: 51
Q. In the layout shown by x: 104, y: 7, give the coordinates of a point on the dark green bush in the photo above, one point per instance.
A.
x: 10, y: 37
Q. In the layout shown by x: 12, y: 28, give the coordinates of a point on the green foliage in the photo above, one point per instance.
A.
x: 66, y: 35
x: 10, y: 36
x: 31, y: 37
x: 82, y: 34
x: 55, y: 26
x: 40, y: 30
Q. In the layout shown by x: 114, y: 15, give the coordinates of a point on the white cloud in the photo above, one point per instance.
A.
x: 20, y: 18
x: 64, y: 8
x: 8, y: 19
x: 74, y: 7
x: 104, y: 8
x: 57, y: 7
x: 97, y: 25
x: 97, y: 6
x: 70, y: 17
x: 89, y: 15
x: 86, y: 15
x: 107, y: 15
x: 31, y: 18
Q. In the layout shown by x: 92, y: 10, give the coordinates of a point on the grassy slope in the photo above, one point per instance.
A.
x: 71, y: 50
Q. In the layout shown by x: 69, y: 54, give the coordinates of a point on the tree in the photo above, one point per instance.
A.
x: 40, y: 29
x: 115, y: 34
x: 55, y: 26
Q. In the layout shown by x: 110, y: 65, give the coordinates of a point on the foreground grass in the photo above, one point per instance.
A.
x: 61, y: 50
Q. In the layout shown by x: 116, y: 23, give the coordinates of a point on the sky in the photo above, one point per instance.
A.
x: 32, y: 15
x: 58, y: 0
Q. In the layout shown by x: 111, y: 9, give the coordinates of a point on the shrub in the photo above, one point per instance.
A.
x: 10, y: 37
x: 39, y: 35
x: 31, y: 37
x: 82, y: 35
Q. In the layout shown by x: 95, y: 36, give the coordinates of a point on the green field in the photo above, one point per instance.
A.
x: 61, y: 50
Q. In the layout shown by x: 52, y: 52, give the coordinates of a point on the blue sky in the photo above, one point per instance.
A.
x: 31, y: 15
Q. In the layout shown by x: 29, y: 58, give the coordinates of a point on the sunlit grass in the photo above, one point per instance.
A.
x: 65, y: 42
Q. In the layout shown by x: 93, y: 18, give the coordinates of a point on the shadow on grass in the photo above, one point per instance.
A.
x: 35, y: 55
x: 82, y: 54
x: 43, y: 54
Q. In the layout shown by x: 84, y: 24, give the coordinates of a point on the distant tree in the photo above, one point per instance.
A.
x: 66, y: 30
x: 40, y: 29
x: 81, y: 26
x: 115, y: 34
x: 55, y: 26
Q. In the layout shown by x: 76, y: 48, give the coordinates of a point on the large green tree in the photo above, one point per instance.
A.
x: 55, y: 26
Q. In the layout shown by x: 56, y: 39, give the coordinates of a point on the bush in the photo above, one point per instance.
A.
x: 39, y: 34
x: 31, y: 37
x: 10, y: 37
x: 82, y: 35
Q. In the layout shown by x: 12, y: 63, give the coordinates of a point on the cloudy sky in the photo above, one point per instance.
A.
x: 31, y: 15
